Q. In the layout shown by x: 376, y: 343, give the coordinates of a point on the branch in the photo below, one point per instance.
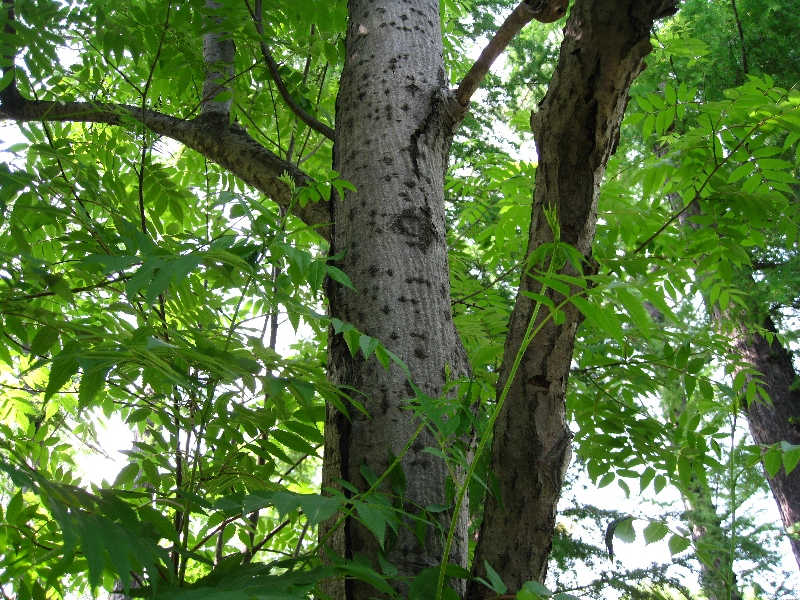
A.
x: 544, y: 11
x: 276, y: 77
x: 745, y: 69
x: 229, y: 146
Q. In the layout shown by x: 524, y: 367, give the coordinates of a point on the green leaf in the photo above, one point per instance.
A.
x: 741, y: 171
x: 424, y: 585
x: 533, y: 590
x: 367, y: 574
x: 340, y: 277
x: 353, y: 338
x: 602, y: 317
x: 92, y: 382
x: 677, y: 544
x: 368, y: 345
x: 127, y: 475
x: 284, y: 502
x: 654, y: 532
x: 92, y: 546
x: 318, y: 508
x: 606, y: 479
x: 397, y: 478
x: 646, y: 478
x: 387, y: 567
x: 45, y: 338
x: 373, y: 518
x: 14, y: 508
x: 293, y: 441
x: 496, y: 583
x: 791, y: 456
x: 625, y: 531
x: 63, y: 368
x: 382, y: 356
x: 772, y: 460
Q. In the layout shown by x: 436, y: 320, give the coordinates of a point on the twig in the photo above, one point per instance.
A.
x: 544, y: 11
x: 276, y: 77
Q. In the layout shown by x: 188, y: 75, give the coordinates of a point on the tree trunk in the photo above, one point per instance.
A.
x: 779, y: 422
x: 708, y: 535
x: 576, y: 130
x: 394, y: 124
x: 708, y: 531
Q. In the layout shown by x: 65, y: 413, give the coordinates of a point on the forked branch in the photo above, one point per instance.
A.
x: 544, y: 11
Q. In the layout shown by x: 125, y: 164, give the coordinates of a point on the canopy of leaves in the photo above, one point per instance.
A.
x: 146, y: 285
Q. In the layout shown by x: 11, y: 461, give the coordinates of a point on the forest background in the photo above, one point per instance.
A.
x: 145, y: 283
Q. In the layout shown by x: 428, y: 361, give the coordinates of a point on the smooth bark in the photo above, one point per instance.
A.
x: 576, y: 130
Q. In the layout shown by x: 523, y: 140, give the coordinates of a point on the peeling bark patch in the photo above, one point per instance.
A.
x: 417, y: 227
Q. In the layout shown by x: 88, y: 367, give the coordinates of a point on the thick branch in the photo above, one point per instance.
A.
x: 576, y: 131
x: 544, y: 11
x: 231, y: 147
x: 276, y: 77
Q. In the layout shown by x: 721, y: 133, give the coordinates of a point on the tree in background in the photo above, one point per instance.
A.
x: 747, y: 47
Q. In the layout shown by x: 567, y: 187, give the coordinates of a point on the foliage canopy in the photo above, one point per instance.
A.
x: 145, y: 284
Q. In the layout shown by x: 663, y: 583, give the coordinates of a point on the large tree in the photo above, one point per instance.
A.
x: 395, y: 117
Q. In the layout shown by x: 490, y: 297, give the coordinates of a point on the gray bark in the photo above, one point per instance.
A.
x: 576, y: 131
x: 218, y: 54
x: 395, y: 119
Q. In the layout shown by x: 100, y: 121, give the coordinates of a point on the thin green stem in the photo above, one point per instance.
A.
x: 530, y: 334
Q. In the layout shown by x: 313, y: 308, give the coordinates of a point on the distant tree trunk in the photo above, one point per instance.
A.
x: 394, y: 123
x: 768, y: 424
x: 705, y: 522
x: 701, y: 514
x: 576, y: 130
x: 709, y: 536
x: 778, y: 422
